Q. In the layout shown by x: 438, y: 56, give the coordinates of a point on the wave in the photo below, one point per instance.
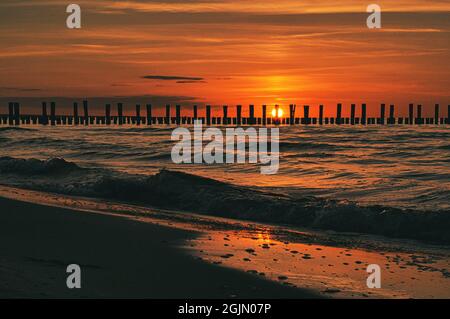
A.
x: 302, y: 145
x: 10, y: 165
x: 185, y: 192
x: 14, y: 128
x: 444, y: 147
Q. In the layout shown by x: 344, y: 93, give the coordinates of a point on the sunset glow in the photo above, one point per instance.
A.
x: 228, y: 52
x: 278, y: 114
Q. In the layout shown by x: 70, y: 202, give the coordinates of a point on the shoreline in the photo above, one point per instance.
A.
x: 119, y: 258
x: 301, y: 262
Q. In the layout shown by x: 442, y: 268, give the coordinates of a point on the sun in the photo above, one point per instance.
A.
x: 274, y: 112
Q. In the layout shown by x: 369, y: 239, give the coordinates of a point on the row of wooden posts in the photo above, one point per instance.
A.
x: 15, y: 118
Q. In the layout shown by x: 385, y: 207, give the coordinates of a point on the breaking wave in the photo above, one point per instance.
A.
x: 186, y: 192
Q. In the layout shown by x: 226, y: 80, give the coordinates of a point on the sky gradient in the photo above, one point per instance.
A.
x: 227, y: 52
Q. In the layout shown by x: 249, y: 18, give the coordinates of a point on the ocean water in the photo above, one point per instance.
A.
x: 331, y: 171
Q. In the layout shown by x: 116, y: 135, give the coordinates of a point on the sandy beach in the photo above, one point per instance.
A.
x: 119, y: 258
x: 129, y: 251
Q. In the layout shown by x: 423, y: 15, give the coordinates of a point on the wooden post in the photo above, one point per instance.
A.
x: 436, y: 114
x: 383, y: 114
x: 11, y: 113
x: 86, y: 112
x: 108, y: 114
x: 352, y: 114
x: 178, y: 114
x: 252, y: 115
x: 149, y: 114
x: 411, y: 114
x: 276, y: 120
x: 138, y: 114
x: 339, y: 114
x: 225, y: 115
x: 167, y: 119
x: 363, y: 114
x: 419, y: 114
x: 305, y: 114
x: 208, y: 115
x: 44, y: 117
x: 292, y: 114
x: 17, y: 113
x: 76, y: 119
x: 448, y: 114
x: 320, y: 114
x: 239, y: 114
x: 120, y: 112
x: 52, y: 113
x: 195, y: 112
x: 391, y: 114
x: 264, y: 114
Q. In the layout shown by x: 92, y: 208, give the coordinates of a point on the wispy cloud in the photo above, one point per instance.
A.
x: 179, y: 79
x: 19, y: 89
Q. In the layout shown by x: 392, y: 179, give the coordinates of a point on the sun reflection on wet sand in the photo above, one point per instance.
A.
x: 334, y: 271
x: 333, y: 264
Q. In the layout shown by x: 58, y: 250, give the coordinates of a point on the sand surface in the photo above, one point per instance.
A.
x: 119, y: 258
x: 128, y: 250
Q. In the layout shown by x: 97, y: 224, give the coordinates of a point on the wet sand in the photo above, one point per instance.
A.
x: 332, y: 270
x: 119, y: 258
x: 135, y: 251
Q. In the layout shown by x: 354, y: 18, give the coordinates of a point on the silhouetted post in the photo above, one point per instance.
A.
x: 239, y: 114
x: 44, y: 118
x: 291, y: 114
x: 225, y: 115
x: 208, y: 115
x: 320, y: 114
x: 76, y: 119
x: 138, y: 114
x: 52, y: 113
x: 411, y: 114
x: 448, y: 114
x: 352, y: 114
x: 167, y: 118
x: 383, y: 113
x: 108, y: 114
x: 149, y: 114
x: 339, y: 113
x: 195, y: 112
x: 436, y: 114
x: 178, y: 114
x: 17, y: 113
x: 252, y: 115
x: 264, y: 114
x: 10, y: 113
x: 419, y: 114
x: 391, y: 114
x: 277, y: 118
x: 120, y: 113
x: 86, y: 112
x: 305, y: 114
x: 363, y: 114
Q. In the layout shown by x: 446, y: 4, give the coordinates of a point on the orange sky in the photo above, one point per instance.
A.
x: 228, y: 51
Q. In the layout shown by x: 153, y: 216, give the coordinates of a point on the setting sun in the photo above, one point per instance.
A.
x: 274, y: 112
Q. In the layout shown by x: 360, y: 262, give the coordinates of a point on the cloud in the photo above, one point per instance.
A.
x: 18, y: 89
x: 179, y: 79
